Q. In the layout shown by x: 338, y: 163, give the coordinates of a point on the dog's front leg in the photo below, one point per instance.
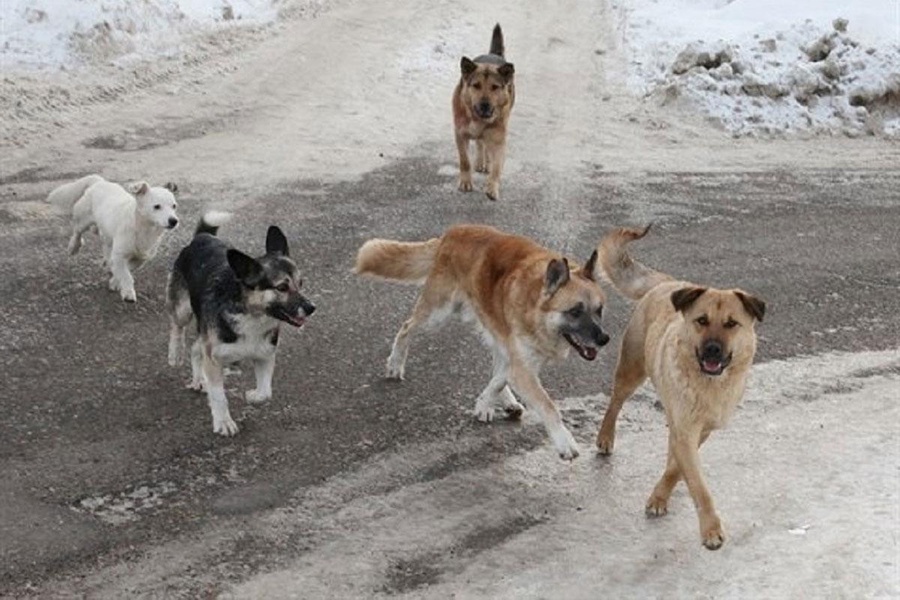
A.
x: 465, y: 168
x: 497, y: 392
x: 218, y: 402
x: 525, y: 382
x: 481, y: 164
x: 495, y: 145
x: 122, y: 276
x: 264, y: 368
x: 687, y: 452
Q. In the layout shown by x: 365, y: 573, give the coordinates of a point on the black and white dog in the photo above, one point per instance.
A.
x: 238, y: 302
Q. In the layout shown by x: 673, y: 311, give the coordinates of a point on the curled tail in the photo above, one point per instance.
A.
x: 400, y: 261
x: 497, y: 41
x: 630, y: 277
x: 211, y: 221
x: 66, y: 195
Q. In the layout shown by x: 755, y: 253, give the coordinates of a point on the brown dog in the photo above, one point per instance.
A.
x: 482, y: 102
x: 696, y: 344
x: 532, y: 306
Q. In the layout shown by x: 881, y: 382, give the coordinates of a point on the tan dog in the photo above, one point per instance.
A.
x: 531, y: 304
x: 696, y: 344
x: 482, y: 102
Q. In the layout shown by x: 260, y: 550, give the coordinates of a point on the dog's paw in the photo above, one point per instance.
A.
x: 224, y: 425
x: 257, y: 396
x: 565, y: 444
x: 605, y: 442
x: 113, y: 284
x: 129, y: 296
x: 196, y: 386
x: 394, y: 369
x: 712, y: 535
x: 492, y: 191
x: 481, y: 168
x: 657, y: 507
x: 484, y: 409
x: 465, y: 183
x: 510, y: 405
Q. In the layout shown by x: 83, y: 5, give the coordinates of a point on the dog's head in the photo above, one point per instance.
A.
x: 573, y: 306
x: 719, y: 325
x: 157, y: 204
x: 486, y: 87
x: 272, y: 282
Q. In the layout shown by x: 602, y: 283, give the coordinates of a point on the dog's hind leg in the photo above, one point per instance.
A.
x: 497, y: 392
x: 264, y: 369
x: 81, y: 222
x: 198, y: 381
x: 432, y: 308
x: 630, y: 374
x: 178, y: 303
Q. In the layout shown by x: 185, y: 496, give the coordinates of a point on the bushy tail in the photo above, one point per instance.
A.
x: 399, y: 261
x: 66, y: 195
x: 211, y: 221
x: 497, y: 42
x: 630, y: 277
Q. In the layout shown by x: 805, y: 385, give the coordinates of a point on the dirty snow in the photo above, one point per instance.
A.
x: 765, y: 67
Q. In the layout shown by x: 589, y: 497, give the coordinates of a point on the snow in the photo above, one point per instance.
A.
x: 770, y: 67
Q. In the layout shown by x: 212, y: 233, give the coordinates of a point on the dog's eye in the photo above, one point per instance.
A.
x: 731, y: 324
x: 477, y: 86
x: 157, y: 207
x: 282, y: 287
x: 495, y: 87
x: 702, y: 321
x: 174, y: 206
x: 576, y: 311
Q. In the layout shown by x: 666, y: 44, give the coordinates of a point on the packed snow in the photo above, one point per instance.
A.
x: 763, y: 67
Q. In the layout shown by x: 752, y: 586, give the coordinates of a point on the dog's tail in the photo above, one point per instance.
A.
x: 399, y: 261
x: 211, y: 221
x: 630, y: 277
x: 65, y: 196
x: 497, y: 41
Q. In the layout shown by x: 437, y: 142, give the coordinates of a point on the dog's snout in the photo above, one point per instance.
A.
x: 173, y: 222
x: 309, y: 308
x: 713, y: 350
x: 484, y: 108
x: 602, y: 339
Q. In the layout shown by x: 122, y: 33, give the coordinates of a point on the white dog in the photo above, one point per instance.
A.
x: 130, y: 223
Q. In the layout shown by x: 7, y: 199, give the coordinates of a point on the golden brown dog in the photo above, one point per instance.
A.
x: 482, y: 102
x: 696, y: 344
x: 531, y: 304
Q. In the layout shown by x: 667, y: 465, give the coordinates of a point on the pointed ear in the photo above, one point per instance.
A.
x: 506, y: 71
x: 557, y: 275
x: 140, y: 188
x: 245, y: 267
x: 683, y: 298
x: 588, y: 269
x: 755, y: 307
x: 276, y: 243
x: 171, y: 186
x: 467, y: 66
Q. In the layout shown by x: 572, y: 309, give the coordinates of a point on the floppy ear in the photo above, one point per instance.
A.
x: 755, y: 307
x: 276, y: 243
x: 171, y: 186
x: 588, y: 269
x: 683, y: 298
x: 506, y: 71
x: 245, y: 267
x: 140, y: 188
x: 557, y: 275
x: 467, y: 66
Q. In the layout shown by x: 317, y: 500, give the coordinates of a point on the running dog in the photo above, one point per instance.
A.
x: 130, y: 222
x: 531, y: 304
x: 696, y: 344
x: 482, y: 102
x: 238, y: 302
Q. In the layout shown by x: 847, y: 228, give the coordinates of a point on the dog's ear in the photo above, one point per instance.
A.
x: 245, y: 267
x: 276, y: 243
x: 683, y: 298
x: 588, y: 269
x: 557, y: 275
x: 172, y: 187
x: 755, y: 307
x: 506, y: 71
x: 467, y: 66
x: 140, y: 188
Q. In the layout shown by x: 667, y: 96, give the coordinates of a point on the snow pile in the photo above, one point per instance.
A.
x: 54, y: 33
x: 766, y: 72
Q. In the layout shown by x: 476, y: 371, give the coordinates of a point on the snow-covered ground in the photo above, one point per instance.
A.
x: 770, y: 66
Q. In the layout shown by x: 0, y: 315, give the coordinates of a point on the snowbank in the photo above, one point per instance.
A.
x: 38, y: 34
x: 771, y: 67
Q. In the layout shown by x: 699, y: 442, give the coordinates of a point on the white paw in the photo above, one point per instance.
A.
x: 176, y: 357
x: 394, y: 370
x: 513, y: 407
x: 484, y: 409
x: 257, y: 396
x: 114, y: 285
x: 565, y: 444
x: 196, y: 385
x: 224, y: 425
x: 129, y: 296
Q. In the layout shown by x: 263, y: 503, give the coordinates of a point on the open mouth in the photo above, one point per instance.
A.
x: 713, y: 367
x: 484, y: 113
x: 586, y: 352
x: 292, y: 319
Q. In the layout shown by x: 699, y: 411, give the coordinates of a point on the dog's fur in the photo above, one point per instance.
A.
x: 531, y: 304
x: 130, y: 222
x: 696, y: 344
x: 238, y: 302
x: 482, y: 102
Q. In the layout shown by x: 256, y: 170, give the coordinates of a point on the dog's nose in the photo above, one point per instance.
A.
x: 485, y: 109
x: 172, y: 222
x: 712, y: 350
x: 602, y: 339
x: 309, y: 308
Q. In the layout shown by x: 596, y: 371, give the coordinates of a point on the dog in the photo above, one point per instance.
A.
x: 531, y: 304
x: 696, y: 344
x: 482, y: 102
x: 238, y: 303
x: 131, y: 222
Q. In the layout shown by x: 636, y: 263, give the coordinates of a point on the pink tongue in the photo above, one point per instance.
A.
x: 711, y: 366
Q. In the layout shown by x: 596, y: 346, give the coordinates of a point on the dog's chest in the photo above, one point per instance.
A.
x: 250, y: 338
